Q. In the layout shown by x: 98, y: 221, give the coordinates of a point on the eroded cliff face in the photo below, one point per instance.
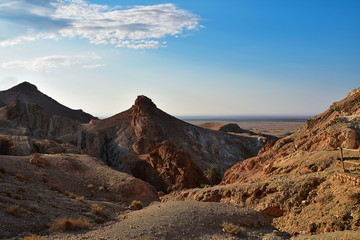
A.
x: 27, y: 128
x: 338, y: 126
x: 119, y: 139
x: 168, y: 168
x: 295, y: 180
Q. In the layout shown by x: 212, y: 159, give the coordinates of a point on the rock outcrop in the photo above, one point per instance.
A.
x: 168, y: 168
x: 121, y: 138
x: 28, y: 93
x: 338, y: 126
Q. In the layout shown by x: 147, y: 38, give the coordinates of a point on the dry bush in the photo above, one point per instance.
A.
x: 33, y: 208
x: 1, y: 176
x: 232, y: 229
x: 23, y: 178
x: 7, y: 192
x: 71, y: 195
x: 33, y: 237
x: 80, y: 198
x: 95, y: 208
x: 37, y: 160
x: 68, y: 224
x: 15, y: 210
x: 17, y: 197
x: 136, y: 205
x: 21, y: 189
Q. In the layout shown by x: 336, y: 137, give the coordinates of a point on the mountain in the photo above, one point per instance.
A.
x: 297, y: 181
x: 28, y: 93
x: 118, y: 140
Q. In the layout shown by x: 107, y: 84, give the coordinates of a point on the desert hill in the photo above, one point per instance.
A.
x: 297, y: 180
x: 28, y: 93
x: 36, y: 191
x: 118, y: 140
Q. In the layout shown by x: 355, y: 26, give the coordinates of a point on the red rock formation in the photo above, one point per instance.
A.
x: 338, y: 126
x: 119, y: 139
x: 169, y: 168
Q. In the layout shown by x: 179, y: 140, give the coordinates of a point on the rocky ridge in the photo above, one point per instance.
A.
x: 294, y: 180
x: 28, y: 93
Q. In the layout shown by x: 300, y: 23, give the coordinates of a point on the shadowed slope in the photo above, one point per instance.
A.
x: 28, y: 93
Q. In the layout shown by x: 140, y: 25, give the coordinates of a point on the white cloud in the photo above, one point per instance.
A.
x: 50, y: 62
x: 92, y: 66
x: 137, y: 27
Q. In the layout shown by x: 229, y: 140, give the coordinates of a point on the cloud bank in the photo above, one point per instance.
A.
x: 47, y: 63
x: 138, y: 27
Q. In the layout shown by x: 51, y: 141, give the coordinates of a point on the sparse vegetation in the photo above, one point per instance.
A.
x: 80, y: 198
x: 22, y: 177
x: 68, y: 224
x: 232, y: 229
x: 15, y: 210
x: 71, y: 195
x: 90, y: 186
x: 203, y: 185
x: 37, y: 160
x: 136, y: 205
x: 101, y: 188
x: 7, y: 192
x: 33, y: 237
x: 213, y: 174
x: 17, y: 197
x: 95, y: 208
x: 33, y: 208
x: 21, y: 189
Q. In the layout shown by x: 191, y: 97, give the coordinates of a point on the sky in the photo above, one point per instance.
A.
x: 203, y: 57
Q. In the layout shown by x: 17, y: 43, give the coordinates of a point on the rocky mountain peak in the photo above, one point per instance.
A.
x: 144, y: 102
x: 24, y: 87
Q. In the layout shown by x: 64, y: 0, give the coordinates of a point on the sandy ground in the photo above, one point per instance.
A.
x: 277, y: 129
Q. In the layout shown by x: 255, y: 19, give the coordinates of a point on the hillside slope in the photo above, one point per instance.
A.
x: 28, y: 93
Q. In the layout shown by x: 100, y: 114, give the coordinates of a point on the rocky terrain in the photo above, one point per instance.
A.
x: 119, y: 140
x: 295, y: 180
x: 63, y: 178
x: 26, y: 92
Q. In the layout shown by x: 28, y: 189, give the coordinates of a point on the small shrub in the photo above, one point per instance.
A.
x: 232, y: 229
x: 203, y: 185
x: 33, y: 237
x: 33, y: 208
x: 90, y: 186
x: 213, y: 174
x: 71, y: 195
x: 101, y: 188
x: 80, y: 198
x: 22, y: 177
x: 136, y: 205
x: 17, y: 197
x: 95, y: 208
x: 1, y: 176
x: 21, y: 189
x: 15, y: 210
x: 7, y: 192
x: 68, y: 224
x: 37, y: 160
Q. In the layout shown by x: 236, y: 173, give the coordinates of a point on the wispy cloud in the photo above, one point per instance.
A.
x: 92, y: 66
x: 137, y: 27
x: 50, y: 62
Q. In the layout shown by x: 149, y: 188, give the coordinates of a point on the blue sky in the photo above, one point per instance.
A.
x: 203, y: 57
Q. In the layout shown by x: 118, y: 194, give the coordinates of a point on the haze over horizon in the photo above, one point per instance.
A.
x: 190, y: 57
